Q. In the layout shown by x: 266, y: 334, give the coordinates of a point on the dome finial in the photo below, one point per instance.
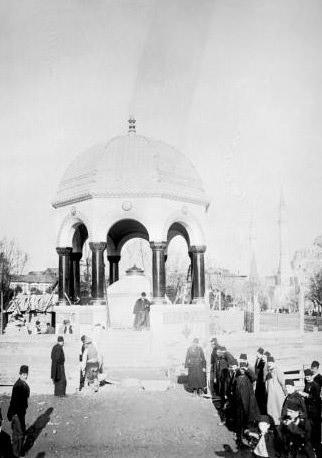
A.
x: 132, y: 122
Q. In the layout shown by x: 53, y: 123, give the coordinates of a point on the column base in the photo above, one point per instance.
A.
x: 64, y: 302
x: 198, y: 301
x: 98, y: 301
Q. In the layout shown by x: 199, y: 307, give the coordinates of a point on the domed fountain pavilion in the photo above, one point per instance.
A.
x: 131, y: 186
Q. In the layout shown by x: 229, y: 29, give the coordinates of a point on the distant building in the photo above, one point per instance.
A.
x: 35, y: 280
x: 308, y: 262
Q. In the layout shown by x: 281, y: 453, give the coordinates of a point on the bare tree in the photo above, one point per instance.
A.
x: 315, y: 290
x: 12, y: 262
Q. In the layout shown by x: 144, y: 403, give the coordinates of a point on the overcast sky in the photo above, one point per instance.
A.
x: 236, y: 85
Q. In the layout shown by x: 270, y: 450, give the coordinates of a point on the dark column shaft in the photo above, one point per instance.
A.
x: 64, y: 268
x: 158, y: 269
x: 198, y: 272
x: 114, y: 268
x: 98, y: 271
x: 76, y: 257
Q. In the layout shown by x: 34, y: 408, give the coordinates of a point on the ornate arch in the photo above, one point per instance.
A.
x: 67, y: 228
x: 184, y: 224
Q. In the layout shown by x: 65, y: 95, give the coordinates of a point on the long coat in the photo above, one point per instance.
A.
x: 247, y: 411
x: 260, y: 390
x: 58, y: 370
x: 275, y: 394
x: 313, y: 406
x: 196, y: 364
x: 19, y: 401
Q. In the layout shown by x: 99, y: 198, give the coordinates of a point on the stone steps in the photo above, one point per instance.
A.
x: 126, y: 348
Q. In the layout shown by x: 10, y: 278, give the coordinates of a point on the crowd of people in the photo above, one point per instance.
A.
x: 266, y: 411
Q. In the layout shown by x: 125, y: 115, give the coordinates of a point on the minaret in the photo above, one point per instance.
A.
x: 253, y: 272
x: 284, y: 265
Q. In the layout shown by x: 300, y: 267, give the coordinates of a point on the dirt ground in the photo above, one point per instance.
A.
x: 125, y: 422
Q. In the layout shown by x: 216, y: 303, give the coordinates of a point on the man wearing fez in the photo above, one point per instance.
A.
x: 213, y: 362
x: 260, y: 389
x: 293, y: 397
x: 315, y: 368
x: 312, y: 396
x: 295, y: 433
x: 58, y: 367
x: 17, y: 410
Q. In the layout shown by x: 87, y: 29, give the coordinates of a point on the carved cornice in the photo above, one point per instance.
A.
x: 64, y: 251
x: 97, y: 246
x: 197, y: 249
x: 158, y: 246
x: 110, y: 195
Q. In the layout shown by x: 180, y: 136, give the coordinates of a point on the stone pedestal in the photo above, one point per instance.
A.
x: 83, y: 319
x: 173, y: 328
x: 122, y: 296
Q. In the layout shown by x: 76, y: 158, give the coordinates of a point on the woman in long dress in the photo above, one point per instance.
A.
x: 276, y: 392
x: 196, y: 364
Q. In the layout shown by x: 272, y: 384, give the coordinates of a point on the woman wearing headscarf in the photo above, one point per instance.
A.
x: 196, y: 365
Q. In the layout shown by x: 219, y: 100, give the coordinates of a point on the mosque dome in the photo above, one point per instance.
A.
x: 131, y: 166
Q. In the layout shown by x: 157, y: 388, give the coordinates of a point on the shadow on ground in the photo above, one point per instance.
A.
x: 35, y: 429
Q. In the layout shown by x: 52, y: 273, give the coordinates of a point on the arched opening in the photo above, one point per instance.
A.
x: 80, y: 264
x: 178, y: 273
x: 120, y: 235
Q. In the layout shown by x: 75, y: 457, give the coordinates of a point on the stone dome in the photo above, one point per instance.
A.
x: 131, y: 166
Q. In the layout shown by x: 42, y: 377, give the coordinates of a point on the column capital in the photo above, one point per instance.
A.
x: 197, y: 248
x: 97, y: 246
x: 158, y: 246
x: 64, y: 251
x: 77, y: 256
x: 114, y: 258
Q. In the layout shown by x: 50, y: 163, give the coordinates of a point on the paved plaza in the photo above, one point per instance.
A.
x: 127, y: 422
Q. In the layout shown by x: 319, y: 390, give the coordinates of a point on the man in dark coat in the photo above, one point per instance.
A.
x: 260, y: 390
x: 58, y: 368
x: 315, y: 368
x: 312, y: 393
x: 295, y: 433
x: 5, y: 442
x: 142, y: 313
x: 196, y: 364
x: 17, y: 410
x: 213, y: 361
x: 247, y: 411
x: 293, y: 397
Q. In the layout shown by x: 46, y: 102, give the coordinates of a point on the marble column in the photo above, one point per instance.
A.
x: 198, y: 272
x: 114, y: 268
x: 98, y: 269
x: 158, y: 270
x: 64, y: 269
x: 76, y: 257
x: 191, y: 267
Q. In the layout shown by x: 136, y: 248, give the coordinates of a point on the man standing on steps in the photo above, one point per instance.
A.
x: 142, y: 313
x: 17, y: 410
